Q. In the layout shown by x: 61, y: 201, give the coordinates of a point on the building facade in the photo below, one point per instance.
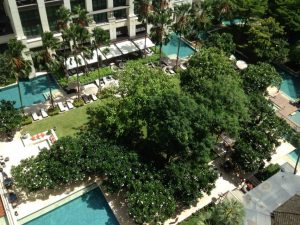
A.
x: 27, y: 19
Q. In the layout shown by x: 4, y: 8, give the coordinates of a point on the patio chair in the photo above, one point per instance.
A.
x: 85, y: 99
x: 93, y: 97
x: 44, y: 113
x: 35, y: 116
x: 171, y: 71
x: 70, y: 105
x: 183, y: 67
x: 61, y: 107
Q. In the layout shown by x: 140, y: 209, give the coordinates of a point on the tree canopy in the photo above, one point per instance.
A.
x: 266, y: 42
x: 256, y: 78
x: 223, y: 41
x: 215, y: 84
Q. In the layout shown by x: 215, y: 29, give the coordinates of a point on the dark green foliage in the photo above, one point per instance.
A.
x: 287, y: 12
x: 267, y: 172
x: 223, y: 41
x: 6, y: 75
x: 151, y: 202
x: 295, y: 53
x: 78, y: 103
x: 214, y: 83
x: 257, y: 78
x: 183, y: 179
x: 11, y: 119
x: 26, y: 120
x: 266, y: 42
x: 260, y: 135
x: 53, y: 111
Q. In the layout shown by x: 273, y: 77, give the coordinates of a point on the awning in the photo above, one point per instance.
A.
x: 71, y: 64
x: 113, y: 51
x: 127, y: 47
x: 141, y: 43
x: 94, y: 59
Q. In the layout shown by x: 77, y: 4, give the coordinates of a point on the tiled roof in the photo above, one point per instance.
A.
x: 288, y: 213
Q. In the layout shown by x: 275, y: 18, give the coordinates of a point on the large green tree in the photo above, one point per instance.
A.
x: 247, y: 9
x: 257, y: 78
x: 287, y: 12
x: 217, y: 87
x: 266, y: 42
x: 260, y: 135
x: 223, y: 41
x: 6, y: 75
x: 295, y: 53
x: 10, y: 119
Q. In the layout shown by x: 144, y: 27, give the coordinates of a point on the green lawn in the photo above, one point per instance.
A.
x: 66, y: 123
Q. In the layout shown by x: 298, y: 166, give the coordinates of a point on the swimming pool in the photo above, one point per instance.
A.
x: 31, y: 90
x: 290, y: 85
x: 295, y: 118
x: 294, y: 154
x: 90, y: 208
x: 170, y: 49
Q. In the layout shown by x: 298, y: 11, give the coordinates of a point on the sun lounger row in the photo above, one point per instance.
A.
x: 62, y: 107
x: 90, y: 98
x: 35, y: 116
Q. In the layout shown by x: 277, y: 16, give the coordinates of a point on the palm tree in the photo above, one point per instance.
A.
x: 77, y: 34
x: 144, y: 10
x: 101, y: 38
x: 64, y: 17
x: 182, y: 14
x: 81, y: 16
x: 161, y: 20
x: 21, y: 68
x: 50, y: 43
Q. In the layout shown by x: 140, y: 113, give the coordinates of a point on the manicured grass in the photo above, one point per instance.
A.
x: 67, y: 123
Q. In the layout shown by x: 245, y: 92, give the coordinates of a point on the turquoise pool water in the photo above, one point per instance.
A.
x: 233, y: 22
x: 89, y: 209
x: 295, y: 118
x: 31, y: 90
x: 294, y: 154
x: 170, y: 49
x: 290, y: 85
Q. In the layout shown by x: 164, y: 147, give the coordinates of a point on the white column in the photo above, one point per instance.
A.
x: 130, y: 11
x: 89, y: 5
x: 67, y: 4
x: 43, y: 15
x: 111, y: 20
x: 15, y: 19
x: 131, y: 18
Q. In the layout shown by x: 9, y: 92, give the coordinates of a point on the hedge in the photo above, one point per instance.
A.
x: 26, y: 120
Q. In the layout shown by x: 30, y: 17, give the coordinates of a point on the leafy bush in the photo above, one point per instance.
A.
x: 26, y: 120
x: 268, y: 172
x: 152, y: 58
x: 78, y: 103
x: 92, y: 76
x: 53, y: 111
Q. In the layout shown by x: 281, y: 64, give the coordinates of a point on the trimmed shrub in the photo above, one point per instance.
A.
x: 53, y: 111
x: 26, y: 120
x: 78, y: 103
x: 268, y: 172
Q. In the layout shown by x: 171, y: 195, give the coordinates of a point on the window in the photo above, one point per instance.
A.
x: 119, y: 3
x: 100, y: 18
x: 122, y: 32
x: 99, y: 4
x: 31, y: 23
x: 120, y: 14
x: 140, y: 29
x: 52, y: 18
x: 75, y: 3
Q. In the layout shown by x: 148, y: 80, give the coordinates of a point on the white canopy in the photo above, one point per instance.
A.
x: 71, y: 63
x: 94, y: 59
x: 141, y: 43
x: 113, y: 51
x: 126, y: 47
x: 241, y: 64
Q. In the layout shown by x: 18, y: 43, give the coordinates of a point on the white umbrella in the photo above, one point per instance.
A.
x: 241, y: 64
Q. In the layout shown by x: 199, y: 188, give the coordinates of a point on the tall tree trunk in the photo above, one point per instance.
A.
x: 98, y: 70
x: 50, y: 90
x: 178, y: 50
x: 77, y: 73
x: 20, y: 95
x: 295, y: 170
x: 146, y: 34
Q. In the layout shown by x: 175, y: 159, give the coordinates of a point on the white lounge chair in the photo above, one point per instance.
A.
x: 44, y: 113
x: 35, y: 116
x: 171, y: 71
x: 183, y: 67
x: 94, y: 97
x: 61, y: 107
x: 70, y: 105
